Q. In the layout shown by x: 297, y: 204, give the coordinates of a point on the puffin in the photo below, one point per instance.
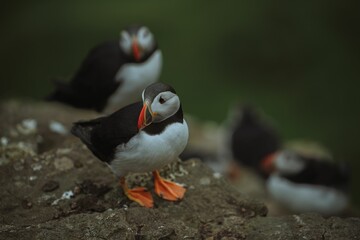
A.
x: 114, y: 73
x: 252, y: 140
x: 308, y: 184
x: 141, y: 137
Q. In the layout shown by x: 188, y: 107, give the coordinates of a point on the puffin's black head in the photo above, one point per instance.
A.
x: 284, y: 162
x: 160, y: 102
x: 248, y: 115
x: 137, y: 42
x: 289, y: 162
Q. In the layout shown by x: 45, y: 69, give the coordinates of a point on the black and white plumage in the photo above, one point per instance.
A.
x: 252, y: 140
x: 114, y: 73
x: 305, y: 184
x: 141, y: 137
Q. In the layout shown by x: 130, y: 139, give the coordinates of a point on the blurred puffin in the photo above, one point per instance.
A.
x: 114, y: 73
x: 305, y: 184
x: 252, y: 140
x: 140, y: 137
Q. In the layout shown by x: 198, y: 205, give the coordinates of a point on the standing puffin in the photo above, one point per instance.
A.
x: 305, y: 184
x: 141, y: 137
x: 252, y: 140
x: 114, y: 73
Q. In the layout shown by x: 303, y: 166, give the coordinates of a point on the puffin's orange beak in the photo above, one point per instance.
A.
x: 136, y: 49
x: 145, y: 117
x: 267, y: 164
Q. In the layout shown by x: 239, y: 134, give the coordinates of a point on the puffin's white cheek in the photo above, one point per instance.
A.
x: 155, y: 107
x: 125, y: 46
x: 146, y: 42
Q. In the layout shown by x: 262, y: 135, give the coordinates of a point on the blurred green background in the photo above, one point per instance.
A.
x: 297, y: 61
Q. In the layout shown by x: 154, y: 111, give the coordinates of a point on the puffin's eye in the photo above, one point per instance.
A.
x: 161, y: 100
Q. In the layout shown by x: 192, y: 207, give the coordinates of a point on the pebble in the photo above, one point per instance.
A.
x: 217, y: 175
x: 63, y: 151
x: 32, y: 178
x: 63, y: 164
x: 4, y: 141
x: 58, y: 127
x: 26, y: 148
x: 50, y: 186
x: 205, y: 181
x: 27, y: 126
x: 36, y: 166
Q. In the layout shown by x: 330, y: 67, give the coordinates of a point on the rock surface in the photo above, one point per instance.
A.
x: 54, y: 188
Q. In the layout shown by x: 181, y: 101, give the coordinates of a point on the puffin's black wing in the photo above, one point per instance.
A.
x: 323, y: 172
x: 103, y: 135
x: 94, y: 81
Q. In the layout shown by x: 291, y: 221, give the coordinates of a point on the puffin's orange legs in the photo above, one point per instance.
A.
x: 166, y: 189
x: 139, y: 194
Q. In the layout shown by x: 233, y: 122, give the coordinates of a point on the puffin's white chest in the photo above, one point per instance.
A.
x: 144, y: 153
x: 134, y: 78
x: 306, y: 197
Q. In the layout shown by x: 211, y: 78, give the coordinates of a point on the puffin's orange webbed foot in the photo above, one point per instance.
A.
x: 139, y: 194
x: 166, y: 189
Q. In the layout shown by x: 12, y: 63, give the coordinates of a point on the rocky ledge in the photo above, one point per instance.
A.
x: 53, y: 188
